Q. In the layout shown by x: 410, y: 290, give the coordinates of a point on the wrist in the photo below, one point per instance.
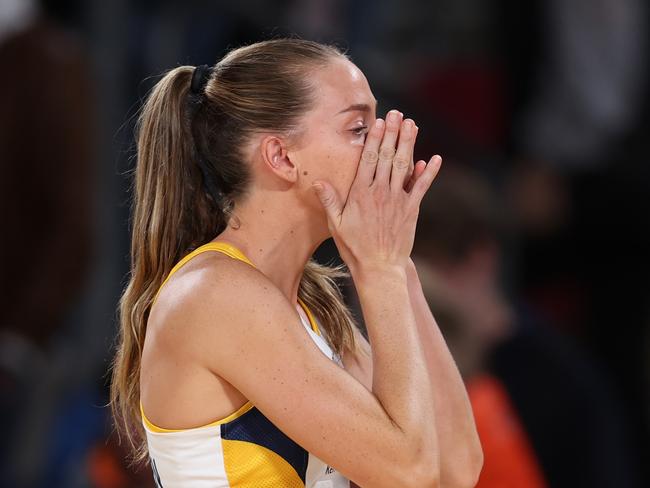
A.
x: 410, y: 265
x: 411, y: 270
x: 374, y: 273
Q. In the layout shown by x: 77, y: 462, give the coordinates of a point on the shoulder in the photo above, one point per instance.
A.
x: 211, y: 277
x: 206, y: 297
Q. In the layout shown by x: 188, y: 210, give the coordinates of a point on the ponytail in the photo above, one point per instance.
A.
x: 168, y: 220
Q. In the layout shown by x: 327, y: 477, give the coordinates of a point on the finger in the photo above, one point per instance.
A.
x: 417, y: 172
x: 387, y: 148
x: 410, y: 180
x: 330, y: 201
x: 404, y: 156
x: 424, y: 181
x: 411, y: 165
x: 370, y: 155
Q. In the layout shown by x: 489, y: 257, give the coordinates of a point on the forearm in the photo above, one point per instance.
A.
x: 400, y: 379
x: 461, y: 454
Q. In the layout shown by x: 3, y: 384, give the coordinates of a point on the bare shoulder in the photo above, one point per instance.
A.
x: 204, y: 294
x: 196, y: 319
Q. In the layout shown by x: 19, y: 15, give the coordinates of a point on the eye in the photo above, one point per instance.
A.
x: 360, y: 131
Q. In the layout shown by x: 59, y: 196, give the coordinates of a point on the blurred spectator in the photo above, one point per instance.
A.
x: 473, y: 319
x: 539, y: 391
x: 579, y: 78
x: 456, y: 252
x: 45, y: 150
x: 45, y: 153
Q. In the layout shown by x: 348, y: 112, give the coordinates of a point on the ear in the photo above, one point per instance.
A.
x: 276, y: 158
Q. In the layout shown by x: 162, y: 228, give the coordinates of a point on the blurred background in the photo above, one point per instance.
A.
x: 532, y: 245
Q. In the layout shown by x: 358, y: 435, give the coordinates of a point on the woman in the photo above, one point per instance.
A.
x: 248, y: 167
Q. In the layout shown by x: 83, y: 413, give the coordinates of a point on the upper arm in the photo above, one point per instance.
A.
x: 358, y: 363
x: 253, y: 338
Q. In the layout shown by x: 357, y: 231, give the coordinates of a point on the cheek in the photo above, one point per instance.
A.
x: 336, y: 162
x: 345, y: 160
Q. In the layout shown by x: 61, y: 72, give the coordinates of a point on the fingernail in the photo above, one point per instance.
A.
x: 379, y: 123
x: 393, y: 115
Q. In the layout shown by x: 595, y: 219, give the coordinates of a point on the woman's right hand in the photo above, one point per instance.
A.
x: 375, y: 227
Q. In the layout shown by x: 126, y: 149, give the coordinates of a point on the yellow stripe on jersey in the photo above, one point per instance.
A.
x: 312, y: 321
x: 238, y: 413
x: 250, y: 465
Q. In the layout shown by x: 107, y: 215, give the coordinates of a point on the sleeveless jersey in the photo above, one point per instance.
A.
x: 244, y: 449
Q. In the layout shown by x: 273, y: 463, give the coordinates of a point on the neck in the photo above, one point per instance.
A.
x: 277, y: 241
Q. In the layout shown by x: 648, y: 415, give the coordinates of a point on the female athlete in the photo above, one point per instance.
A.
x: 238, y: 363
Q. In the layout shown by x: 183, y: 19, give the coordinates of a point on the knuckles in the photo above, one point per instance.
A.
x: 400, y: 163
x: 386, y: 153
x: 369, y: 156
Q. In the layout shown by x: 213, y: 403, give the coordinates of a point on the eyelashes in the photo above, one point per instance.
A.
x: 360, y: 131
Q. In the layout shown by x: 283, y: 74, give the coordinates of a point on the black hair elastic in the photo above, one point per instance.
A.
x: 200, y: 78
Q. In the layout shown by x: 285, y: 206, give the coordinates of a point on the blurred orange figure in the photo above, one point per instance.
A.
x: 509, y: 458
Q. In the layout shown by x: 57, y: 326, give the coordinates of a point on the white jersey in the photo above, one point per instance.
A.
x: 245, y: 449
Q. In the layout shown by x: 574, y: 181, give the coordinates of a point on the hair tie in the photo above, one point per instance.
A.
x: 200, y: 78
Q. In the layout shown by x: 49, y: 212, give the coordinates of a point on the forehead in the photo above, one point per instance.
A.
x: 339, y: 85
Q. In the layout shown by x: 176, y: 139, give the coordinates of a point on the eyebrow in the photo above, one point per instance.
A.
x: 360, y: 107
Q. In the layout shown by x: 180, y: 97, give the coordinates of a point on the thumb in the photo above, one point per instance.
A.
x: 329, y: 199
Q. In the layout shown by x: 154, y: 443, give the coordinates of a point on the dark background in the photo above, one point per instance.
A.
x: 546, y: 100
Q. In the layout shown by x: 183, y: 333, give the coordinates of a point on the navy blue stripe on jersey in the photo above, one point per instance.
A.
x: 156, y: 476
x: 254, y: 427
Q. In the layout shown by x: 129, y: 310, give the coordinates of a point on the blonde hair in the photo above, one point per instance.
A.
x: 264, y: 86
